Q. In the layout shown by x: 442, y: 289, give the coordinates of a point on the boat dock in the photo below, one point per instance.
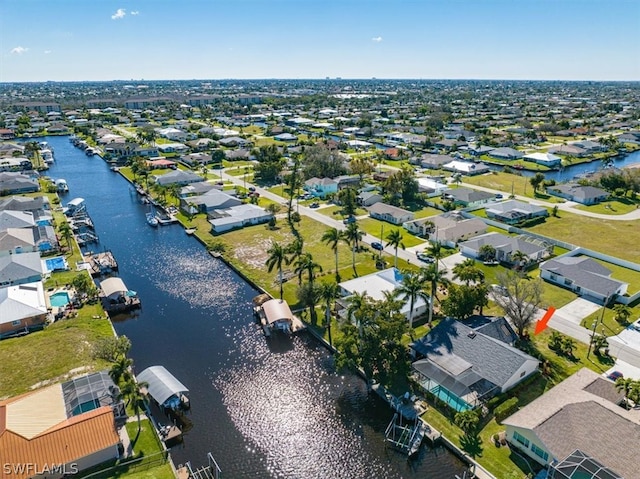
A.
x: 101, y: 263
x: 210, y: 471
x: 275, y: 315
x: 408, y: 406
x: 406, y: 438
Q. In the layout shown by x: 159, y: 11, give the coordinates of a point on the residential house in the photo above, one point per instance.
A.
x: 20, y: 269
x: 121, y: 150
x: 222, y: 220
x: 434, y: 161
x: 505, y: 153
x: 581, y: 413
x: 450, y: 144
x: 431, y: 187
x: 375, y: 285
x: 466, y: 366
x: 368, y: 198
x: 6, y: 134
x: 584, y: 276
x: 390, y: 214
x: 161, y: 163
x: 590, y: 146
x: 23, y: 308
x: 12, y: 183
x: 587, y: 195
x: 466, y: 167
x: 16, y: 219
x: 629, y: 137
x: 200, y: 144
x: 38, y: 431
x: 448, y: 228
x: 173, y: 148
x: 547, y: 159
x: 514, y: 211
x: 505, y: 247
x: 568, y: 150
x: 321, y: 187
x: 480, y: 150
x: 199, y: 188
x: 208, y: 202
x: 178, y: 177
x: 38, y: 206
x: 17, y: 240
x: 233, y: 141
x: 347, y: 181
x: 173, y: 134
x: 468, y: 197
x: 237, y: 155
x: 285, y: 137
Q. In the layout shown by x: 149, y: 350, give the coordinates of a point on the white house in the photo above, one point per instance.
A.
x: 376, y: 284
x: 237, y: 217
x: 547, y: 159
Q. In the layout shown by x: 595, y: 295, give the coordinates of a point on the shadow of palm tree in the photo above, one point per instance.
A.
x: 471, y: 443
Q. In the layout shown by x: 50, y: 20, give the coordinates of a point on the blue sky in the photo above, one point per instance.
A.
x: 73, y: 40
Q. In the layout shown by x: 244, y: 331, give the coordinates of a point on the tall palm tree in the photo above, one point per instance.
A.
x: 328, y: 294
x: 394, y: 238
x: 357, y: 303
x: 295, y: 248
x: 67, y: 233
x: 434, y: 277
x: 277, y: 257
x: 435, y: 249
x: 121, y: 369
x: 306, y: 264
x: 132, y: 391
x: 412, y: 287
x: 333, y: 237
x: 353, y: 235
x: 625, y: 385
x: 467, y: 271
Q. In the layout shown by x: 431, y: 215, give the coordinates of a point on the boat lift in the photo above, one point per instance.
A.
x: 210, y: 471
x: 405, y: 438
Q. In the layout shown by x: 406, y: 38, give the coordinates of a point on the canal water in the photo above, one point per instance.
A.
x: 264, y: 409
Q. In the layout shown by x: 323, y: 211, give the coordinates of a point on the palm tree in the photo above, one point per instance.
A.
x: 131, y: 390
x: 519, y: 259
x: 67, y: 233
x: 487, y: 252
x: 333, y: 237
x: 121, y: 369
x: 353, y: 235
x: 435, y: 250
x: 435, y: 277
x: 305, y: 263
x: 357, y: 302
x: 467, y: 272
x: 328, y: 293
x: 394, y: 238
x: 295, y: 248
x: 625, y: 385
x: 277, y: 257
x: 412, y: 287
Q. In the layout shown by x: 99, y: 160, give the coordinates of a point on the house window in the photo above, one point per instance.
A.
x: 522, y: 374
x: 16, y: 323
x: 568, y: 282
x: 554, y: 277
x: 539, y: 452
x: 521, y: 439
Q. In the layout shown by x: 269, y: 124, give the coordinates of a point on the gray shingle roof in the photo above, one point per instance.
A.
x: 491, y: 359
x: 584, y: 272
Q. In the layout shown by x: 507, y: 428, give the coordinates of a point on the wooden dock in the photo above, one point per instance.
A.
x: 101, y: 263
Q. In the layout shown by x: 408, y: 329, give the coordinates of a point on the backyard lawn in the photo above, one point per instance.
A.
x: 373, y: 227
x: 614, y: 206
x: 509, y: 183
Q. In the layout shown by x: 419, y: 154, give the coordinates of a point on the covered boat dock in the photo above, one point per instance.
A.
x: 164, y: 388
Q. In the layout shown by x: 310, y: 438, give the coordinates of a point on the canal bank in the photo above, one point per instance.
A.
x: 263, y: 408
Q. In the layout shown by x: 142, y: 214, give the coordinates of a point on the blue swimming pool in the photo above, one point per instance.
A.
x: 59, y: 299
x: 56, y: 264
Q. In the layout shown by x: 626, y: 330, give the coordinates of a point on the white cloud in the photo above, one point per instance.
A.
x: 46, y: 52
x: 376, y: 39
x: 134, y: 12
x: 19, y: 50
x: 120, y: 13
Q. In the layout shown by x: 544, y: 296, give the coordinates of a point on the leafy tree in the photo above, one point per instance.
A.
x: 520, y: 299
x: 599, y: 343
x: 519, y: 259
x: 402, y: 184
x: 277, y: 257
x: 84, y: 285
x: 625, y: 385
x: 111, y: 348
x: 121, y: 369
x: 536, y: 180
x: 555, y: 341
x: 487, y: 252
x: 269, y: 163
x: 568, y: 345
x: 320, y: 162
x: 333, y: 237
x: 348, y: 201
x: 460, y: 302
x: 361, y: 166
x: 412, y: 287
x: 394, y: 238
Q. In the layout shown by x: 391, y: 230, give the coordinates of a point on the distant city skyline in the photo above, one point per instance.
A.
x: 78, y: 40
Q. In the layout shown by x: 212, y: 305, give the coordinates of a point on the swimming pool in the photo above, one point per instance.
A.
x: 56, y: 264
x: 59, y: 299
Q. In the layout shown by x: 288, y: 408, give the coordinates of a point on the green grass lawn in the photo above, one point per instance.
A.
x: 374, y: 226
x: 590, y: 233
x: 238, y: 170
x: 614, y: 206
x: 509, y: 183
x: 426, y: 212
x: 335, y: 212
x: 53, y: 352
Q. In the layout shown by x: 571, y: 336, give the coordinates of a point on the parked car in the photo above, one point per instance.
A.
x: 349, y: 219
x: 377, y: 245
x: 614, y: 375
x: 498, y: 196
x: 425, y: 257
x: 315, y: 204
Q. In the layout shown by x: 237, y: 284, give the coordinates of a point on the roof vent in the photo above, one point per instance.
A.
x: 472, y: 334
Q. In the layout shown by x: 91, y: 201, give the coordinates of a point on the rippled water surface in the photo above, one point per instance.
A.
x: 265, y: 408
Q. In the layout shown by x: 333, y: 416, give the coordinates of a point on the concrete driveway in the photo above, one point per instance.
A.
x: 577, y: 310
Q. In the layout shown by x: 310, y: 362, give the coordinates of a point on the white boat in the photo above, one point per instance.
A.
x: 152, y: 220
x: 61, y: 186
